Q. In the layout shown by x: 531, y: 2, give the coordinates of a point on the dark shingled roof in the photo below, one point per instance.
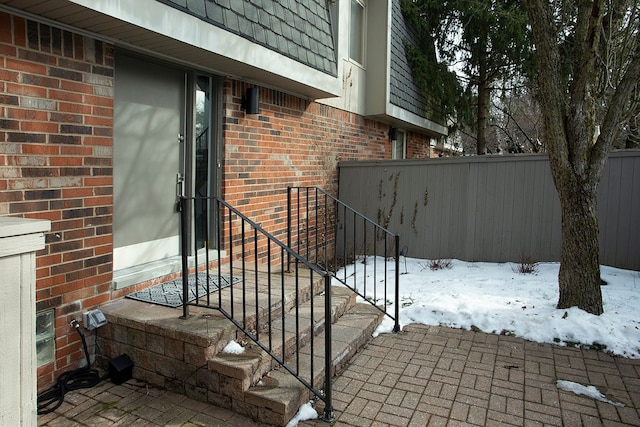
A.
x: 404, y: 92
x: 298, y: 29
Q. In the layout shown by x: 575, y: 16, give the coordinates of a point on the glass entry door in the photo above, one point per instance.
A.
x: 202, y: 166
x: 205, y: 168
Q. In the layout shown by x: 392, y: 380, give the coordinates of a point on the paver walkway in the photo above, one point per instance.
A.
x: 424, y: 376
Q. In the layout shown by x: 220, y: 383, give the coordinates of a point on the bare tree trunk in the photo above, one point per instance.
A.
x: 576, y: 155
x: 569, y: 133
x: 579, y: 277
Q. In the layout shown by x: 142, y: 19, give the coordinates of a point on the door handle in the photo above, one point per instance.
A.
x: 179, y: 191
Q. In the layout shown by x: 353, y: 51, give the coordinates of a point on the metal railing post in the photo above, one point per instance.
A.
x: 328, y: 414
x: 184, y: 226
x: 349, y: 248
x: 289, y: 206
x: 219, y: 230
x: 396, y: 327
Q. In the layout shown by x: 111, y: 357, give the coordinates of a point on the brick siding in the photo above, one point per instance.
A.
x: 56, y: 116
x: 292, y: 142
x: 419, y: 146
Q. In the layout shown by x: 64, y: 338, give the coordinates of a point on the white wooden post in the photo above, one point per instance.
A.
x: 19, y: 239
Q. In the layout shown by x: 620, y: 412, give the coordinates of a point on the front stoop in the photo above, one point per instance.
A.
x: 184, y: 355
x: 278, y: 396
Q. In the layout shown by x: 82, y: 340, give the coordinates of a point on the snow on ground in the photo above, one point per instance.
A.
x: 589, y: 391
x: 496, y: 298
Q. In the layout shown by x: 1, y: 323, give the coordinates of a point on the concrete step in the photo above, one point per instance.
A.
x: 279, y: 395
x: 170, y: 352
x: 184, y: 355
x: 239, y: 371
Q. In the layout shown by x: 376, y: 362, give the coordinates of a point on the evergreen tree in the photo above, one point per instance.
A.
x: 486, y: 43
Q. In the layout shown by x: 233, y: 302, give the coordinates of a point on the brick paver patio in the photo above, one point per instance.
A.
x: 424, y: 376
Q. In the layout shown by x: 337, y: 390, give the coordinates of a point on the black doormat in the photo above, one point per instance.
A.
x: 169, y: 294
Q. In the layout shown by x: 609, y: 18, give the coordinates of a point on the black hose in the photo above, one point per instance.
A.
x: 85, y: 377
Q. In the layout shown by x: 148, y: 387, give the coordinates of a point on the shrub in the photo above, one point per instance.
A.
x: 526, y: 266
x: 440, y: 264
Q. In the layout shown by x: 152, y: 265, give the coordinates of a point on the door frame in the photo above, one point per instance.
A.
x: 128, y: 276
x: 215, y: 150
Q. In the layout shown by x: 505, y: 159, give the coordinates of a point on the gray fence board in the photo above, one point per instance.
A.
x: 492, y: 208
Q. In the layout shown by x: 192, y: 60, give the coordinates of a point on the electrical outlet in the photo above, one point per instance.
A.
x: 93, y: 319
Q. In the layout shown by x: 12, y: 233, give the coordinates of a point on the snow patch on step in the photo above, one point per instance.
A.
x: 306, y: 412
x: 233, y: 348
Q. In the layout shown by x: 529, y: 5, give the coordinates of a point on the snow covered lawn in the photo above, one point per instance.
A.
x: 496, y: 298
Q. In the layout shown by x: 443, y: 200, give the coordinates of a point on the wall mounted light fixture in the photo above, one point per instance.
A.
x: 250, y: 101
x: 393, y: 134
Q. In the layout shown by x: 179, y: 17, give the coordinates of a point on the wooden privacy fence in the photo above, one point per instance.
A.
x: 491, y: 208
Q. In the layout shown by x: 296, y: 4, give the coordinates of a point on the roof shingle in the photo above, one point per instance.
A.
x: 403, y: 90
x: 298, y: 29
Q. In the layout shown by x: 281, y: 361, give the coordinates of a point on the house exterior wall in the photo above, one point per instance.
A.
x: 292, y: 142
x: 56, y: 162
x: 419, y: 146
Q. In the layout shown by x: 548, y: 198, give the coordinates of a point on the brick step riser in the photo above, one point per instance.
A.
x: 242, y: 378
x: 174, y: 360
x: 173, y: 353
x: 272, y: 409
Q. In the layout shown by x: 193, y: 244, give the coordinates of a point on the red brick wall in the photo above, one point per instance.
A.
x: 419, y: 146
x: 292, y: 142
x: 56, y: 116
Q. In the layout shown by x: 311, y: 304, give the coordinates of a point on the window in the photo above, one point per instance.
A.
x: 356, y: 32
x: 399, y: 147
x: 45, y: 337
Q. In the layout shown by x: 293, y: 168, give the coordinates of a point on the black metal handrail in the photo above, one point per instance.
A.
x: 331, y: 234
x: 245, y: 242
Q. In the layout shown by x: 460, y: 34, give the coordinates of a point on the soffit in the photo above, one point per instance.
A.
x: 125, y: 34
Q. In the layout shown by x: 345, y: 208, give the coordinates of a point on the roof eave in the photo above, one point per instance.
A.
x: 399, y: 117
x: 151, y: 27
